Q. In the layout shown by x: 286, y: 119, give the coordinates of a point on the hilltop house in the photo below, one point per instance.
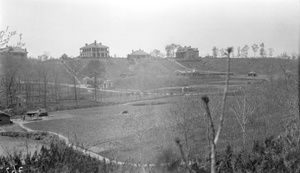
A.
x: 14, y: 51
x: 94, y: 50
x: 138, y: 54
x: 187, y: 53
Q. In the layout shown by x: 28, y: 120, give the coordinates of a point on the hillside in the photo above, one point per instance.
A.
x: 158, y: 73
x: 242, y: 65
x: 156, y: 67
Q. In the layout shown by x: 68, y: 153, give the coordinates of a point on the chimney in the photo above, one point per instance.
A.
x: 132, y: 50
x: 86, y: 44
x: 100, y: 43
x: 95, y: 42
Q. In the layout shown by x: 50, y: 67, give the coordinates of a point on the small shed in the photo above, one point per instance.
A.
x: 4, y: 118
x: 252, y: 73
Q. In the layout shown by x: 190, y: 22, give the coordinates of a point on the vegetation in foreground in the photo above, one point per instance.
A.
x: 274, y: 154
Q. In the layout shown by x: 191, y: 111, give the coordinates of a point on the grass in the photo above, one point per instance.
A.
x: 103, y: 129
x: 96, y: 125
x: 241, y: 65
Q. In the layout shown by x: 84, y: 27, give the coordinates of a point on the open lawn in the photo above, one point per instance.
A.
x: 96, y: 128
x: 243, y: 65
x: 136, y: 130
x: 142, y: 129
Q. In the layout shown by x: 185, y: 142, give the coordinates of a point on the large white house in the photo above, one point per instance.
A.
x: 94, y: 50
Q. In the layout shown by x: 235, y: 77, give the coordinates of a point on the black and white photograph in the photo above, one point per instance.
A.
x: 149, y: 86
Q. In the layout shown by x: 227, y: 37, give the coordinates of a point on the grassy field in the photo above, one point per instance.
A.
x: 140, y: 130
x: 96, y: 128
x: 242, y: 65
x: 143, y: 129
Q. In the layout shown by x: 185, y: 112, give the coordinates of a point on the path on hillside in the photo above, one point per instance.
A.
x: 68, y: 71
x: 77, y: 148
x: 186, y: 68
x: 171, y: 60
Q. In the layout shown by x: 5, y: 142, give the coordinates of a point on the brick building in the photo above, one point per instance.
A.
x: 187, y: 53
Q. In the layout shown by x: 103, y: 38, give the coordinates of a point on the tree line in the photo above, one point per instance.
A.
x: 242, y: 52
x: 34, y: 81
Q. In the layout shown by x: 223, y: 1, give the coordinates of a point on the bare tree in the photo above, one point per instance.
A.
x: 271, y: 50
x: 43, y: 72
x: 171, y: 49
x: 215, y: 51
x: 262, y: 50
x: 9, y: 66
x: 238, y: 52
x: 74, y: 70
x: 27, y: 74
x: 255, y: 48
x: 182, y: 120
x: 243, y: 108
x: 9, y: 77
x: 187, y: 120
x: 222, y: 52
x: 215, y: 134
x: 284, y: 67
x: 168, y: 49
x: 56, y: 77
x: 96, y: 70
x: 245, y: 51
x: 156, y: 53
x: 5, y: 37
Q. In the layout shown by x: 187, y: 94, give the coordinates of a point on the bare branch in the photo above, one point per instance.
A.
x: 229, y: 50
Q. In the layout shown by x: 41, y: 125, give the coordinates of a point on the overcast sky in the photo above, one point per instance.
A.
x: 63, y: 26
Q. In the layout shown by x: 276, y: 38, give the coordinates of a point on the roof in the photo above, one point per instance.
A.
x: 94, y: 45
x: 186, y: 71
x: 13, y: 49
x: 5, y: 114
x: 139, y: 52
x: 185, y: 49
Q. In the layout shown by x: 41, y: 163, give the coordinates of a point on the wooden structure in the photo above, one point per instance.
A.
x: 4, y: 118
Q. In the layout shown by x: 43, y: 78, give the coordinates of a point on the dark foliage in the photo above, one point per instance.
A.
x: 281, y: 154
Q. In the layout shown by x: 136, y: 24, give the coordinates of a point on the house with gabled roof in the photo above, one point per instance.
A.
x: 14, y: 51
x: 138, y: 54
x: 94, y: 50
x: 187, y: 53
